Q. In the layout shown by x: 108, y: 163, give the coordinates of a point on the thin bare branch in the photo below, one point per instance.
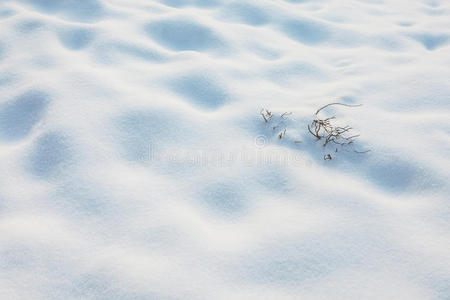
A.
x: 285, y: 114
x: 361, y: 151
x: 336, y: 103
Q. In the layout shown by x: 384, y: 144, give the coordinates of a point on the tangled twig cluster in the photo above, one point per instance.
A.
x: 321, y: 129
x: 324, y: 129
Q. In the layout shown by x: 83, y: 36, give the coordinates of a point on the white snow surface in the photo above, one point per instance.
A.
x: 135, y: 164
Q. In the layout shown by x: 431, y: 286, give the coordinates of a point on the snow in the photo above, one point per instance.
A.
x: 135, y: 164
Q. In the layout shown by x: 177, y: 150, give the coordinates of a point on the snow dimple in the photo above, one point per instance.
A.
x: 116, y: 52
x: 306, y: 31
x: 395, y: 175
x: 400, y: 176
x: 198, y: 3
x: 19, y: 116
x: 29, y: 26
x: 139, y: 52
x: 6, y: 13
x: 293, y: 265
x: 201, y: 90
x: 246, y: 13
x: 274, y: 179
x: 225, y: 199
x: 50, y: 155
x: 76, y: 38
x: 84, y: 198
x: 183, y: 34
x: 432, y: 41
x: 83, y: 11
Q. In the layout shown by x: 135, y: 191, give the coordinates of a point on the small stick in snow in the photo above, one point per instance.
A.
x: 266, y: 115
x: 285, y: 114
x: 362, y: 151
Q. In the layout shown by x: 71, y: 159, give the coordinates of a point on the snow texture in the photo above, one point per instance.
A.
x: 134, y: 163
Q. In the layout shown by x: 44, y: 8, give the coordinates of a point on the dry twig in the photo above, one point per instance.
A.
x: 337, y: 103
x: 285, y: 114
x: 266, y: 115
